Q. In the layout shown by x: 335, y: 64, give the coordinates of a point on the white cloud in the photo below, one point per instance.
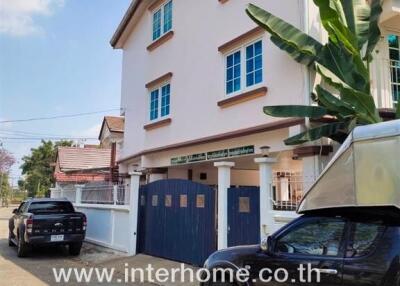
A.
x: 17, y: 16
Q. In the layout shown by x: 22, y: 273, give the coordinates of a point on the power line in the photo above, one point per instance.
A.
x: 48, y: 138
x: 58, y: 116
x: 15, y: 132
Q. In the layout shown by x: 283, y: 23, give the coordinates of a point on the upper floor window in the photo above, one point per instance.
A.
x: 394, y: 52
x: 240, y: 76
x: 160, y: 102
x: 162, y: 20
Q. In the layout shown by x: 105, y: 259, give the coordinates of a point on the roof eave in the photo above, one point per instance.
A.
x: 115, y: 40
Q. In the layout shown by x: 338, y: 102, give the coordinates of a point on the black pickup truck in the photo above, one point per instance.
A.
x: 42, y: 222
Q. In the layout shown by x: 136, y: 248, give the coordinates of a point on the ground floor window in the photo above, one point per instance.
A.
x: 394, y: 53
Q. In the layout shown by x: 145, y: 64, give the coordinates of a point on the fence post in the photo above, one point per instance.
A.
x: 53, y: 193
x: 115, y: 194
x: 133, y: 211
x: 78, y: 194
x: 266, y: 216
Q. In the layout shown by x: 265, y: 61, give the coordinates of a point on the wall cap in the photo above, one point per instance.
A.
x: 224, y: 164
x: 265, y: 160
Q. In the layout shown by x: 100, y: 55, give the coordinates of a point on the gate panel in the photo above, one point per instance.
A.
x: 243, y: 216
x: 177, y: 221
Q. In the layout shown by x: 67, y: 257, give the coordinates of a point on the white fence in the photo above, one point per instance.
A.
x: 107, y: 209
x: 102, y: 193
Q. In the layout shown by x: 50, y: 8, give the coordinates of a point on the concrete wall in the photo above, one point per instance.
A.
x: 107, y: 225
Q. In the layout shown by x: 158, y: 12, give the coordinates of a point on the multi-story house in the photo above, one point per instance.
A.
x: 195, y: 78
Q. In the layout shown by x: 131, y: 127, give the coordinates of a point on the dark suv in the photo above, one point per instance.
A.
x: 41, y: 222
x: 352, y: 247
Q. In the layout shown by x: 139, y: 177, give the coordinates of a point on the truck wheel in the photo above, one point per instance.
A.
x: 75, y: 248
x: 10, y: 243
x: 22, y: 247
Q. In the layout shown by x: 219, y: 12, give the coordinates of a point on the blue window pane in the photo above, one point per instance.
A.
x: 154, y: 105
x: 236, y: 84
x: 229, y: 87
x: 168, y: 16
x: 237, y: 71
x: 258, y: 48
x: 249, y: 79
x: 258, y: 62
x: 229, y: 74
x: 249, y: 66
x: 229, y: 61
x: 258, y: 77
x: 165, y: 100
x: 237, y: 57
x: 249, y: 52
x: 157, y: 25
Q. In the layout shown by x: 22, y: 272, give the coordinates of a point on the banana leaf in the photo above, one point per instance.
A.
x: 363, y: 21
x: 332, y: 103
x: 374, y: 31
x: 314, y: 112
x: 291, y: 39
x: 334, y: 21
x: 362, y: 103
x: 398, y: 111
x: 326, y: 130
x: 357, y: 13
x: 347, y: 66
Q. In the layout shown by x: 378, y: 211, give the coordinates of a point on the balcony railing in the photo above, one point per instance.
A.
x: 395, y: 79
x: 288, y: 190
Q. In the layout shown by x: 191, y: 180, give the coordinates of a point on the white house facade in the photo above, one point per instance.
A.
x: 195, y: 78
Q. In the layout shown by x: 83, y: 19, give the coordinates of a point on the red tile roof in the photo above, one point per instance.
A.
x: 115, y: 123
x: 80, y: 178
x: 73, y: 158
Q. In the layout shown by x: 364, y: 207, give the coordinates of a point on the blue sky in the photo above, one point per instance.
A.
x: 55, y: 59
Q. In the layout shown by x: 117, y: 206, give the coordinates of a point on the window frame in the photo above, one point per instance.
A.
x: 161, y: 9
x: 301, y: 222
x: 160, y: 107
x: 373, y: 246
x: 243, y: 67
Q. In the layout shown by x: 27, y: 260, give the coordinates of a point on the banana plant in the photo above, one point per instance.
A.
x: 344, y: 93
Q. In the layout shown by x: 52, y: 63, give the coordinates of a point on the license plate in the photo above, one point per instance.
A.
x: 57, y: 238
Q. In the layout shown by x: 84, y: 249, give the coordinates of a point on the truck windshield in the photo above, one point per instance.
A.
x: 51, y: 207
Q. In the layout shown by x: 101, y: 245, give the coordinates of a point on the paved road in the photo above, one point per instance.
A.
x: 36, y: 270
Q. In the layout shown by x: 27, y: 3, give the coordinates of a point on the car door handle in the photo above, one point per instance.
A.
x: 327, y: 271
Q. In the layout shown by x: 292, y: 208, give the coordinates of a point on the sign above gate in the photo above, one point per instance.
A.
x: 213, y: 155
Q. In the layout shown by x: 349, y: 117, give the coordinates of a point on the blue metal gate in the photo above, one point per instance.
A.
x: 243, y: 216
x: 177, y: 221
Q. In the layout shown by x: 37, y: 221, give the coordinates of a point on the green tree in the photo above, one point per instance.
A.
x: 343, y: 64
x: 38, y: 169
x: 5, y: 189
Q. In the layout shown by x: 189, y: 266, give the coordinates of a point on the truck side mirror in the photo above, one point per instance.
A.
x: 266, y: 244
x: 15, y: 211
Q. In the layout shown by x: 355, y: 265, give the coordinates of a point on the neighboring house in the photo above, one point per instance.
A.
x: 195, y: 76
x: 112, y: 131
x: 75, y: 165
x: 192, y: 89
x: 112, y: 136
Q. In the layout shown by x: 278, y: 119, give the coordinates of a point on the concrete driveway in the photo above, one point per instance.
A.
x: 37, y: 269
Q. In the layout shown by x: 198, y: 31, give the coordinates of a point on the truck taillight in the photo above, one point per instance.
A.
x: 29, y: 225
x: 84, y: 222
